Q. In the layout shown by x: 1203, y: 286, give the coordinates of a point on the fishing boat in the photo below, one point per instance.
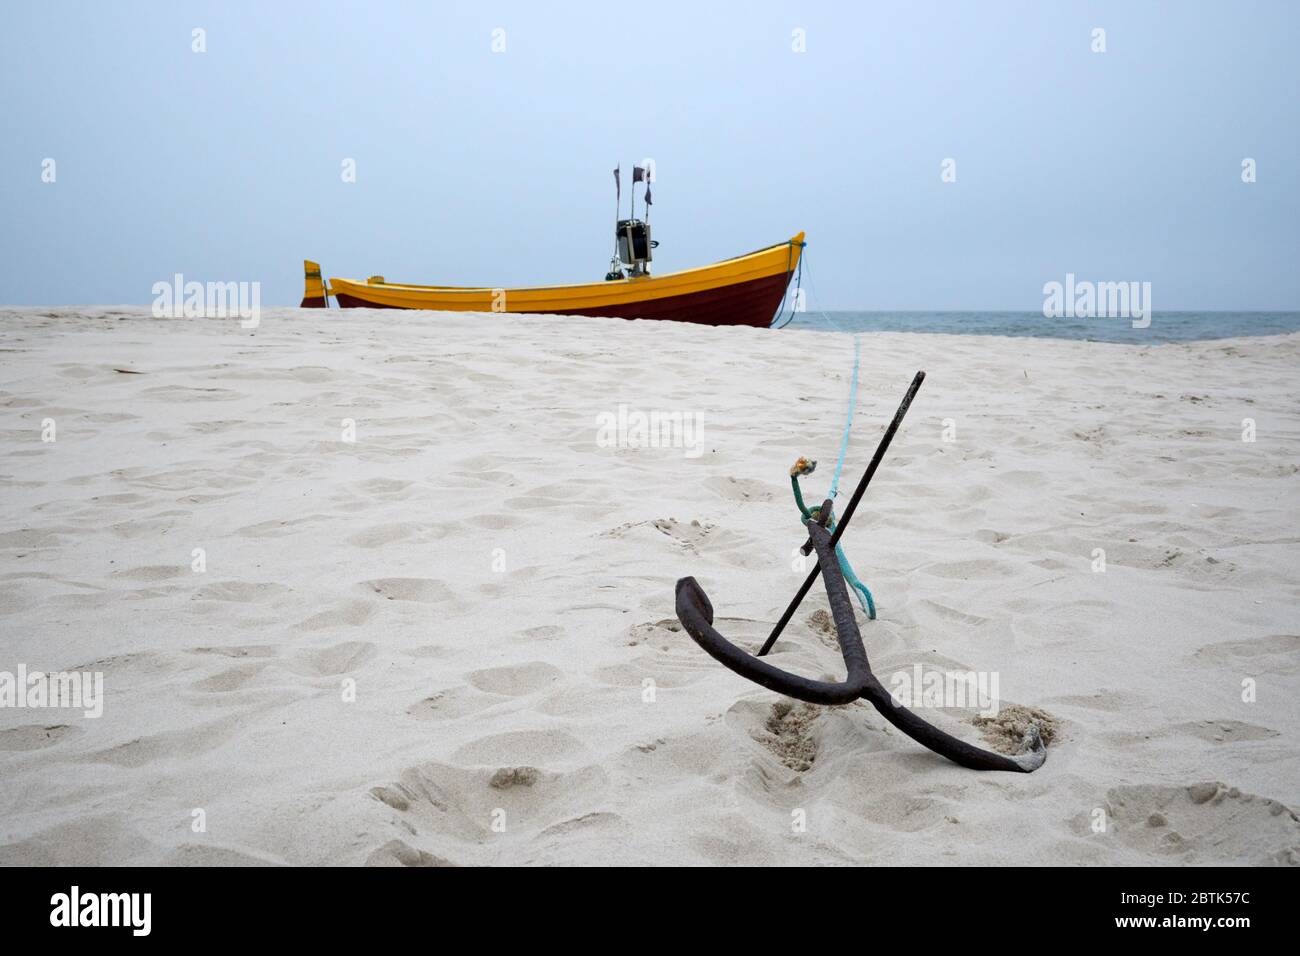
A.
x: 746, y: 290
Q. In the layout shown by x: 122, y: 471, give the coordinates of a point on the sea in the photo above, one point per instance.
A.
x: 1164, y: 326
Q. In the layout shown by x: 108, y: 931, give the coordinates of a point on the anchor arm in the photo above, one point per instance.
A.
x: 696, y: 614
x: 1033, y: 752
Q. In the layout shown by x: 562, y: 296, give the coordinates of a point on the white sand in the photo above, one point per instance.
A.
x: 329, y: 562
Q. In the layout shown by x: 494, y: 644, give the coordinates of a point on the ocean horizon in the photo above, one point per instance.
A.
x: 1164, y: 326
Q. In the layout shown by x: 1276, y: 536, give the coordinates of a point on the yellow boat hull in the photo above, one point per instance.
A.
x: 746, y: 290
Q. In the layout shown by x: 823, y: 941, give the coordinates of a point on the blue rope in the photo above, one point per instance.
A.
x: 848, y: 419
x: 864, y: 594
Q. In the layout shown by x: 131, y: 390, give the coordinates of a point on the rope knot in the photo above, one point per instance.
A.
x: 804, y: 466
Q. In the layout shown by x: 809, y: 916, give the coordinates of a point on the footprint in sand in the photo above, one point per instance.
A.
x: 697, y: 538
x: 36, y: 736
x: 32, y: 539
x: 1226, y: 731
x: 1204, y: 823
x: 202, y: 854
x: 231, y: 679
x: 788, y: 733
x: 381, y: 535
x: 152, y: 572
x: 543, y: 632
x: 666, y: 672
x: 1050, y: 564
x: 344, y: 614
x: 398, y: 853
x: 73, y: 370
x: 439, y: 804
x: 657, y: 633
x: 336, y: 659
x: 1273, y: 654
x: 243, y: 592
x: 421, y: 590
x: 742, y: 489
x: 388, y: 489
x: 452, y: 704
x: 217, y: 426
x: 87, y: 840
x: 172, y: 744
x: 515, y: 680
x: 602, y: 825
x: 178, y: 394
x: 901, y: 810
x: 942, y: 614
x: 142, y: 666
x: 280, y: 528
x: 788, y: 730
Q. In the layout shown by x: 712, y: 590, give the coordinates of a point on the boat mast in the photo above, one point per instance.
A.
x: 618, y: 200
x: 615, y: 263
x: 632, y: 243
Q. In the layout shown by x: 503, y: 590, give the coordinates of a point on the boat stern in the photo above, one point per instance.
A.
x: 315, y: 294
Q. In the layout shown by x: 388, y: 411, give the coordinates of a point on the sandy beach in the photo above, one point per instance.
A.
x: 371, y: 588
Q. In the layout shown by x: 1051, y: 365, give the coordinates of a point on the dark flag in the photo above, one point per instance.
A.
x: 618, y: 187
x: 647, y: 193
x: 638, y: 174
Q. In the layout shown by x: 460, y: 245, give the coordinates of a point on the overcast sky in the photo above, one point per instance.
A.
x: 476, y: 167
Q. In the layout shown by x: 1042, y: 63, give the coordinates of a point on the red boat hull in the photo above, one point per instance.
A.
x: 753, y: 303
